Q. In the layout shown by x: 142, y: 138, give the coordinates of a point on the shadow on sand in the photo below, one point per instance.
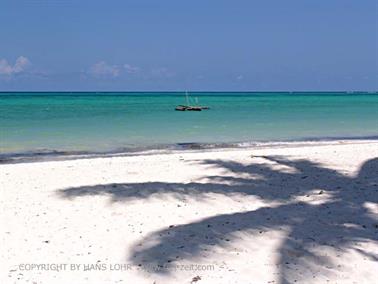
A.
x: 338, y: 223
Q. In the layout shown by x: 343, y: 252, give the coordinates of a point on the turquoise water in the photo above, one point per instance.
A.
x: 110, y: 121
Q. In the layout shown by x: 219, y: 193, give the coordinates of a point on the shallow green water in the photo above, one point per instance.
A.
x: 109, y: 121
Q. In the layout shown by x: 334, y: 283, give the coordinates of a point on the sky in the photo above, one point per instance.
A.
x: 197, y: 45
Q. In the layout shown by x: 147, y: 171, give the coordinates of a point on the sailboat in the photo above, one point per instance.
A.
x: 189, y: 107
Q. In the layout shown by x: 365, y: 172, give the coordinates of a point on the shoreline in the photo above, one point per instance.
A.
x: 61, y: 155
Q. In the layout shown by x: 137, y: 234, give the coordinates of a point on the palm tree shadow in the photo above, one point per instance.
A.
x: 335, y: 222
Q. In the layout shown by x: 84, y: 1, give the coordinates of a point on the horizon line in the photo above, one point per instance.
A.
x: 213, y: 91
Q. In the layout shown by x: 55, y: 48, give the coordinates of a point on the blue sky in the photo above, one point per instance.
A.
x: 68, y: 45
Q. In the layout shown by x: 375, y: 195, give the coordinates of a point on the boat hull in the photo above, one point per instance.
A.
x: 190, y: 108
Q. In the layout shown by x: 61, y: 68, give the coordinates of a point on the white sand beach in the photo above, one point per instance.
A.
x: 293, y: 214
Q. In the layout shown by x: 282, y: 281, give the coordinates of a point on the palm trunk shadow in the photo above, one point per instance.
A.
x: 336, y: 223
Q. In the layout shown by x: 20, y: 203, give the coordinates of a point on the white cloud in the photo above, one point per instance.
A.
x: 163, y: 72
x: 103, y: 69
x: 131, y: 69
x: 240, y: 77
x: 20, y: 65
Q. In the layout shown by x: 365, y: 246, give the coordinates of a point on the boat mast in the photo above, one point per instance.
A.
x: 187, y: 98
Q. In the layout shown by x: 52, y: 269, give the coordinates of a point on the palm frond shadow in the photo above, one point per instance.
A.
x: 338, y: 223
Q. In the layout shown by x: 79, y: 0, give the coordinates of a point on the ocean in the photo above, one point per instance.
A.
x: 63, y: 123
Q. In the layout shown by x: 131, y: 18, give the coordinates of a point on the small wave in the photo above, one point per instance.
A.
x: 49, y: 155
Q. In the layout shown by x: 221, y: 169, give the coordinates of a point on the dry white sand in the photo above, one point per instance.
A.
x: 306, y: 214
